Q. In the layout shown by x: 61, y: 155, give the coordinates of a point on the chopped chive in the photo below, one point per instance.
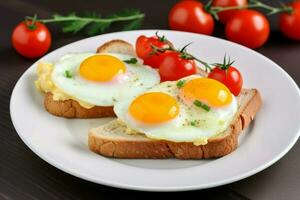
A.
x: 193, y: 123
x: 131, y: 61
x: 198, y: 103
x: 202, y: 105
x: 68, y: 74
x: 180, y: 83
x: 206, y: 107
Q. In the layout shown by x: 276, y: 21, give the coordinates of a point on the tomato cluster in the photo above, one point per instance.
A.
x: 248, y: 27
x: 245, y: 26
x: 173, y: 64
x: 158, y: 52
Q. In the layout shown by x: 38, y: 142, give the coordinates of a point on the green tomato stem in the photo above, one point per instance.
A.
x: 214, y: 10
x: 30, y: 22
x: 86, y: 19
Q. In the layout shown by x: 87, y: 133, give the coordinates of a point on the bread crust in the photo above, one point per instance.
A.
x: 117, y: 46
x: 147, y: 148
x: 71, y: 108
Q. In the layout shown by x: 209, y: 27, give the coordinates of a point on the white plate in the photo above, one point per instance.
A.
x: 63, y: 142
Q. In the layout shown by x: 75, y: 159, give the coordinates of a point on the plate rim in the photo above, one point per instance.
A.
x: 150, y: 188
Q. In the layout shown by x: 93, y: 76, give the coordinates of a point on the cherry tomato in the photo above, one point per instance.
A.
x: 224, y: 16
x: 290, y: 23
x: 249, y: 28
x: 154, y: 61
x: 31, y: 41
x: 174, y: 66
x: 230, y: 77
x: 190, y: 16
x: 144, y: 49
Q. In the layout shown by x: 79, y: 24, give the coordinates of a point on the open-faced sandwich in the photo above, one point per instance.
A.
x: 165, y: 106
x: 87, y: 85
x: 191, y: 114
x: 171, y: 120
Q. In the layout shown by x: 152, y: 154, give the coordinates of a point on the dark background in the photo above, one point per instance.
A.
x: 23, y: 175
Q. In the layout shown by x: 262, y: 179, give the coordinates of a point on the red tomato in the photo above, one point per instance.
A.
x: 190, y: 16
x: 290, y: 23
x: 144, y: 49
x: 231, y: 77
x: 154, y: 61
x: 249, y: 28
x: 31, y: 42
x: 174, y: 66
x: 226, y: 15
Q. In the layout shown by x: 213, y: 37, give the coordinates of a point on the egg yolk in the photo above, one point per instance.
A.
x: 207, y: 90
x: 101, y: 68
x: 154, y: 107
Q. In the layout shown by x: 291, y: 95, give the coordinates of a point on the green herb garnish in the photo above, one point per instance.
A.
x: 93, y: 23
x: 68, y: 74
x: 193, y: 123
x: 201, y: 105
x: 180, y: 83
x: 131, y: 61
x: 197, y: 103
x: 206, y: 107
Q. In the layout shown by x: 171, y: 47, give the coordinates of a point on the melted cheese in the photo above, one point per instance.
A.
x: 45, y: 84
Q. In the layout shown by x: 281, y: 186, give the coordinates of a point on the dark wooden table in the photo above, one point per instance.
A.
x: 23, y: 175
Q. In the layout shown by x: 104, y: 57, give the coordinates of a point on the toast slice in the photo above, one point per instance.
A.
x: 112, y: 139
x: 71, y: 108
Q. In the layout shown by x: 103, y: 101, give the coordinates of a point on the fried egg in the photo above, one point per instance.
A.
x: 190, y: 110
x: 102, y: 79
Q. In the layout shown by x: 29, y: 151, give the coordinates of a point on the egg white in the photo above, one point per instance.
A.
x: 137, y: 79
x: 181, y: 129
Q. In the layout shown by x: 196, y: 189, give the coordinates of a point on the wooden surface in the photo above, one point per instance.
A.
x: 23, y: 175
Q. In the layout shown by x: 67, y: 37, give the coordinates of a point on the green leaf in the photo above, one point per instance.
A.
x: 71, y: 22
x: 207, y: 7
x: 93, y: 23
x: 97, y: 28
x: 135, y: 24
x: 252, y: 1
x: 125, y: 13
x: 90, y: 14
x: 75, y: 26
x: 59, y: 17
